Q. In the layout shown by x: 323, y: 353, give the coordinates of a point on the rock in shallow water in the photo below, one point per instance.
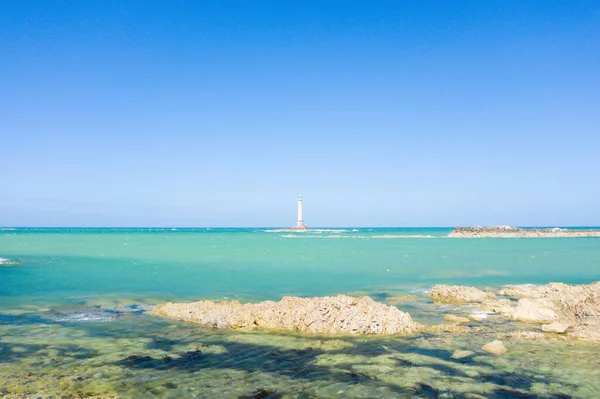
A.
x: 555, y: 327
x: 460, y: 354
x: 329, y: 315
x: 537, y: 310
x: 478, y: 316
x: 456, y: 319
x: 494, y: 347
x: 459, y: 294
x: 577, y: 306
x: 523, y: 336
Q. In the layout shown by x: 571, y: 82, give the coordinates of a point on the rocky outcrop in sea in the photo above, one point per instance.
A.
x: 326, y: 315
x: 558, y: 308
x: 517, y: 232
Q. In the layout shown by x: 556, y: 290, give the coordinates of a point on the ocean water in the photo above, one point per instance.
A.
x: 73, y: 319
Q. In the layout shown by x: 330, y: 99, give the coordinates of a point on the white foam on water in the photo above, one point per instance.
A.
x: 452, y: 308
x: 103, y: 315
x: 328, y: 231
x: 4, y: 261
x: 482, y: 315
x: 421, y: 290
x: 86, y: 318
x: 521, y: 285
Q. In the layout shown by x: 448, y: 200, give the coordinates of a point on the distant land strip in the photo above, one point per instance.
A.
x: 465, y: 232
x: 517, y: 232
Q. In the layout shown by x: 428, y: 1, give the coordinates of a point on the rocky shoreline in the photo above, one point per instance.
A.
x: 517, y: 232
x: 555, y: 310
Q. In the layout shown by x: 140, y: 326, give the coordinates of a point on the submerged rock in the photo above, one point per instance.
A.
x: 494, y: 347
x: 456, y: 319
x: 330, y: 315
x: 459, y: 294
x: 262, y: 394
x: 496, y: 305
x: 460, y: 354
x: 523, y: 336
x: 333, y: 344
x: 480, y: 316
x: 400, y: 298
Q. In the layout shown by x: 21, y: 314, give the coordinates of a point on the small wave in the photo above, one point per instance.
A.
x: 102, y: 315
x: 521, y: 285
x: 7, y: 229
x: 306, y: 232
x: 421, y: 290
x: 453, y: 308
x: 6, y: 262
x: 482, y: 315
x: 83, y: 317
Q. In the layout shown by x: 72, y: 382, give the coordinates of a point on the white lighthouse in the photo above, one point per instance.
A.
x: 300, y: 224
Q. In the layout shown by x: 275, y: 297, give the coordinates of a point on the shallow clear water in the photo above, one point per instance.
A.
x: 72, y: 318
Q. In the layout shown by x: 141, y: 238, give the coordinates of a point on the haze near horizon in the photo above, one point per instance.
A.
x: 424, y: 113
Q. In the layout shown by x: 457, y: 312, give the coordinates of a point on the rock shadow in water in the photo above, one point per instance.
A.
x: 14, y: 352
x: 520, y: 379
x: 301, y: 364
x: 21, y: 319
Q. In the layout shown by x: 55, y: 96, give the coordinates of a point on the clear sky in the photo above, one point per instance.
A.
x: 219, y: 113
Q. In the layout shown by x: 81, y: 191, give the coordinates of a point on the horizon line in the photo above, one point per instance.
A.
x: 284, y: 227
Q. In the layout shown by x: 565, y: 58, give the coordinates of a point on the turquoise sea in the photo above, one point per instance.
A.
x: 73, y: 319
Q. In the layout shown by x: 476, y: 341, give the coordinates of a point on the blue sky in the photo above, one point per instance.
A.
x: 219, y: 113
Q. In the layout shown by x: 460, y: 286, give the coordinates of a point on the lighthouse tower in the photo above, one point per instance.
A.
x: 300, y: 224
